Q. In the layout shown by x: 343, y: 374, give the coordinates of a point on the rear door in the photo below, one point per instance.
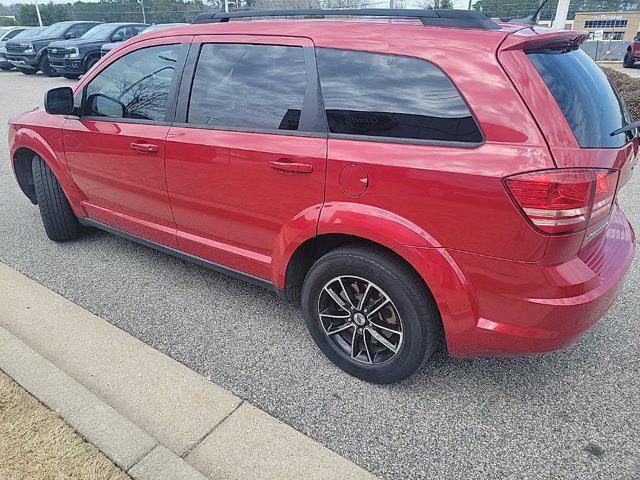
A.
x: 246, y: 157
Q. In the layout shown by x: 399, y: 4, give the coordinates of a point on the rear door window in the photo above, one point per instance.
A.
x: 392, y: 96
x: 248, y: 86
x: 591, y: 105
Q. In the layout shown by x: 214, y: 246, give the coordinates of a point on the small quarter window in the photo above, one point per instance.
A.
x: 380, y: 95
x: 135, y: 86
x: 248, y: 86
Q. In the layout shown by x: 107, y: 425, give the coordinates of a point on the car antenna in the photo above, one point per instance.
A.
x: 531, y: 19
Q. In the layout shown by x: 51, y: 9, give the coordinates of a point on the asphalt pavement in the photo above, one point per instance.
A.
x: 572, y: 414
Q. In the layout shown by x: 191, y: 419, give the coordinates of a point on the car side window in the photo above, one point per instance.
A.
x: 122, y: 33
x: 12, y: 34
x: 380, y: 95
x: 80, y: 29
x: 248, y: 86
x: 135, y: 86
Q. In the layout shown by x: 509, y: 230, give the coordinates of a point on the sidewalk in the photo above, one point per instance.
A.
x: 152, y: 416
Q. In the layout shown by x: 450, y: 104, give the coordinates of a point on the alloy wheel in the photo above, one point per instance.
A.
x: 360, y: 319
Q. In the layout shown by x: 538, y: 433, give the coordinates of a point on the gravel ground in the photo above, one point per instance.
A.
x: 572, y: 414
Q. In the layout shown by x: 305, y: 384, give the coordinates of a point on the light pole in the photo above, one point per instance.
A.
x: 561, y: 14
x: 38, y: 12
x: 144, y: 16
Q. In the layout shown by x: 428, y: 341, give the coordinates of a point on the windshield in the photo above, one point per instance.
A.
x: 55, y: 30
x: 29, y: 32
x: 99, y: 32
x: 588, y: 101
x: 4, y: 31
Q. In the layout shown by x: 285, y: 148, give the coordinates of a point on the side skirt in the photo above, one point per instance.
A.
x: 261, y: 282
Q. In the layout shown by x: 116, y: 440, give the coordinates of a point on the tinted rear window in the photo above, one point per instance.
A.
x: 380, y: 95
x: 591, y: 105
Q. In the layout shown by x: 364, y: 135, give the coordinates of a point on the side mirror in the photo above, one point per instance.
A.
x: 69, y: 35
x: 118, y: 37
x: 59, y: 101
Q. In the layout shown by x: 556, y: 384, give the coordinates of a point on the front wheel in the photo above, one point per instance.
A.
x: 90, y: 63
x: 71, y: 76
x: 60, y: 223
x: 46, y: 67
x: 27, y: 71
x: 628, y: 61
x: 370, y: 314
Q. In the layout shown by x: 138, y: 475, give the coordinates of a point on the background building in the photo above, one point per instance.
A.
x: 609, y: 25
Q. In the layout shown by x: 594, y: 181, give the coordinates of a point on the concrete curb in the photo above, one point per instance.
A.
x: 127, y: 445
x: 152, y: 416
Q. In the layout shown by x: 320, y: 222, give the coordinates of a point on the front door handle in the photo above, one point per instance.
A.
x: 145, y: 147
x: 291, y: 167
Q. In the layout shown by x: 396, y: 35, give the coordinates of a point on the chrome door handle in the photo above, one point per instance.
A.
x: 291, y: 167
x: 145, y: 147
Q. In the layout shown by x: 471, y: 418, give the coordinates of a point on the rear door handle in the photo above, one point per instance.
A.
x: 145, y: 147
x: 291, y: 167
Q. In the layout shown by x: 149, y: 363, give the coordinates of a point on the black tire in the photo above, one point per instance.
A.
x: 46, y: 67
x: 71, y: 76
x: 418, y: 314
x: 28, y: 71
x: 628, y: 61
x: 6, y: 67
x: 90, y: 63
x: 58, y: 219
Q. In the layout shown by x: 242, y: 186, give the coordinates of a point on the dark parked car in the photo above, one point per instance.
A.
x: 6, y: 34
x: 30, y: 54
x: 441, y: 174
x: 107, y: 47
x: 72, y: 58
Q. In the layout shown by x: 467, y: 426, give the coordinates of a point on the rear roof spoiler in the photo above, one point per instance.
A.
x: 535, y: 38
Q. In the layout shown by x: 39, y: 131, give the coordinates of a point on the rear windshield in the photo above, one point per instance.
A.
x: 591, y: 105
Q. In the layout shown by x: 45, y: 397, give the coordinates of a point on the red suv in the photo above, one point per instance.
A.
x: 633, y: 53
x: 429, y: 172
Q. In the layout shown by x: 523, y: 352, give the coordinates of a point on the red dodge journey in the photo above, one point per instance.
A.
x: 425, y: 173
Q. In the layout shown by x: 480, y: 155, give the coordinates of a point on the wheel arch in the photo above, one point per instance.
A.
x: 375, y: 228
x: 25, y: 145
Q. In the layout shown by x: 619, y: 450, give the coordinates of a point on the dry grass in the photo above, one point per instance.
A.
x: 35, y: 444
x: 628, y: 87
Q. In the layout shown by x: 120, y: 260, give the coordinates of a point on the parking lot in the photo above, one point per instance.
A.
x: 571, y: 414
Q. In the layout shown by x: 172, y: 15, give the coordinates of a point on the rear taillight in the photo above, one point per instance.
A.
x: 565, y: 201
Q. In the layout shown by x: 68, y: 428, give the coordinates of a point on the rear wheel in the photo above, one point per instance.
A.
x: 628, y: 61
x: 370, y: 314
x: 46, y: 67
x: 28, y: 71
x: 60, y: 223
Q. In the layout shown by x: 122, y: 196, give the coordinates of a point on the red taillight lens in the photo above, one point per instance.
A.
x: 564, y: 201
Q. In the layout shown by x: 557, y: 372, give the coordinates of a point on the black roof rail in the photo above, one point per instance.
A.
x: 436, y: 18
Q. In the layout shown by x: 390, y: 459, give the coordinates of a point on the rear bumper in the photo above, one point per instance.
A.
x: 519, y: 308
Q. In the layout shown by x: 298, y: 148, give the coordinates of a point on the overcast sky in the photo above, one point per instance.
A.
x: 456, y: 3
